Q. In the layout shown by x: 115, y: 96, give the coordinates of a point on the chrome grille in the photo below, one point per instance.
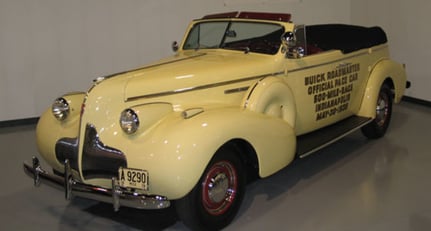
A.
x: 98, y: 159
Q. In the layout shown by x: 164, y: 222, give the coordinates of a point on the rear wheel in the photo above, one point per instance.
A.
x: 377, y: 128
x: 216, y: 198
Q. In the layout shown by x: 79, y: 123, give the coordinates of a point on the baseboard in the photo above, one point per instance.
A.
x: 417, y: 101
x: 19, y: 122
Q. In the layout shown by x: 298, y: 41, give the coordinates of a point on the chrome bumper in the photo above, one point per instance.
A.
x: 116, y: 196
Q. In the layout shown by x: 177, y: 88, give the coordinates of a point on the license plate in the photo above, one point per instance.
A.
x: 133, y: 178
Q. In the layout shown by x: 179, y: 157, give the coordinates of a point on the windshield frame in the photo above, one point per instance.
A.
x: 264, y: 41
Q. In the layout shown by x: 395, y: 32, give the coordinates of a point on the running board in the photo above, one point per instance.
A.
x: 311, y: 142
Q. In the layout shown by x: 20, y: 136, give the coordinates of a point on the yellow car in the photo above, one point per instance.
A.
x: 244, y: 94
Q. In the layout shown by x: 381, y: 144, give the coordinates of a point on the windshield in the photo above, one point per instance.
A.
x: 247, y: 36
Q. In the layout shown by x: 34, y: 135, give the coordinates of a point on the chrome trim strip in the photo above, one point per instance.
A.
x: 74, y: 93
x: 155, y: 65
x: 334, y: 140
x: 116, y: 196
x: 330, y: 62
x: 183, y: 90
x: 236, y: 90
x: 189, y: 113
x: 249, y: 94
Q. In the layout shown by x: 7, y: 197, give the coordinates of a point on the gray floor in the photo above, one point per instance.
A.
x: 355, y: 184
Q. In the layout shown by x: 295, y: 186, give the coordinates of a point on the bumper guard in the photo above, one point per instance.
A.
x: 116, y: 196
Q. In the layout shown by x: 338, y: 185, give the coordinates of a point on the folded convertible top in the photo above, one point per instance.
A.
x: 347, y: 38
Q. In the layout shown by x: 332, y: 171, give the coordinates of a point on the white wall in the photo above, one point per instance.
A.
x: 409, y: 33
x: 50, y: 47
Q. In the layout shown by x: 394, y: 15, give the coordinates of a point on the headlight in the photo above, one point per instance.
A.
x: 60, y: 109
x: 129, y: 121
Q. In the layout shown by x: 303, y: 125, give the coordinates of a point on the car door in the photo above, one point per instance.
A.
x: 327, y: 85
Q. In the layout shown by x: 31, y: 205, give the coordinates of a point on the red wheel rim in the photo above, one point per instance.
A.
x: 219, y: 188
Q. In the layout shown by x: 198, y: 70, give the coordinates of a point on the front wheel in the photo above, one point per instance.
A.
x: 377, y: 128
x: 216, y: 198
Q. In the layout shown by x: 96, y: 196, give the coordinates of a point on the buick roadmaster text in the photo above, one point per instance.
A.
x: 244, y: 95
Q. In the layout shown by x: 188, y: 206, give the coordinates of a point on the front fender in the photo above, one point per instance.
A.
x: 384, y: 70
x: 49, y: 130
x: 177, y: 150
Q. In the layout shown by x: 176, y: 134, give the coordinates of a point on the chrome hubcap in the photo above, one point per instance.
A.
x: 382, y: 109
x: 219, y: 188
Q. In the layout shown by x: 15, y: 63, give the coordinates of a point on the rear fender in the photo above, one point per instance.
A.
x: 385, y: 70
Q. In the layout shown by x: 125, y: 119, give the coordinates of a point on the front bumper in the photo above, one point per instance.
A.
x: 117, y: 196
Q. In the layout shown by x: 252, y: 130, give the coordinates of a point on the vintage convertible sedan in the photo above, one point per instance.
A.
x: 244, y: 95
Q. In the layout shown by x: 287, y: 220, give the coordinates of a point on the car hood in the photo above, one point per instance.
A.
x: 195, y: 70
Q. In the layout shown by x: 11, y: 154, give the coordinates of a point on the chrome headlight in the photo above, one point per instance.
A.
x: 129, y: 121
x: 60, y: 109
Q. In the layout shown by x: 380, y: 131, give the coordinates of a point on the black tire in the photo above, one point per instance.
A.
x: 377, y: 128
x: 216, y: 198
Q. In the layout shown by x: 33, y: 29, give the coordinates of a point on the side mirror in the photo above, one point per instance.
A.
x: 175, y: 46
x: 288, y: 40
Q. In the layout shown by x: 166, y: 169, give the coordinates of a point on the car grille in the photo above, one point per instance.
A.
x: 98, y: 160
x: 67, y: 149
